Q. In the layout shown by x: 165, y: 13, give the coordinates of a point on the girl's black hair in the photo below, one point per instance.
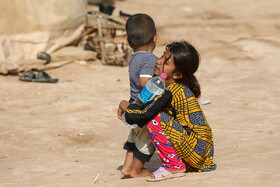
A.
x: 186, y: 60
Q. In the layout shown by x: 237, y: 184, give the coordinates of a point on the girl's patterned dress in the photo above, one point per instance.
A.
x: 183, y: 124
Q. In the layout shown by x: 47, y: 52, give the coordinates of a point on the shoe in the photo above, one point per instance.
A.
x: 163, y: 174
x: 35, y: 75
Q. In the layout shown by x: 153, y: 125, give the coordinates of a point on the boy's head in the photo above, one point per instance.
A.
x: 140, y: 30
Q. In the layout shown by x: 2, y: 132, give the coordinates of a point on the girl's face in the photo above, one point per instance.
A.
x: 165, y: 64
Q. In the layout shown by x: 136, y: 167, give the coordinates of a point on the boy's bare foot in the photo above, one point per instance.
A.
x: 138, y: 169
x: 142, y: 173
x: 125, y: 171
x: 127, y: 163
x: 133, y: 167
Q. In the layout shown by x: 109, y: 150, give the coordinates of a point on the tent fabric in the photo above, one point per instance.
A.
x: 30, y: 26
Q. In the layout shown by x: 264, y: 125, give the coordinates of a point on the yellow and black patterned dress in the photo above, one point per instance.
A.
x: 183, y: 123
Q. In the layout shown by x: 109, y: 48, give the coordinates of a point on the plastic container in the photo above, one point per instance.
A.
x: 154, y: 87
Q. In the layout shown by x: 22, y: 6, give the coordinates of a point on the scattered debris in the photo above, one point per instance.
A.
x: 206, y: 16
x: 81, y: 134
x: 187, y: 9
x: 206, y: 102
x: 95, y: 180
x: 83, y: 62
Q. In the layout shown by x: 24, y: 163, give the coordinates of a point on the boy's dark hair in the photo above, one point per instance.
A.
x: 140, y: 30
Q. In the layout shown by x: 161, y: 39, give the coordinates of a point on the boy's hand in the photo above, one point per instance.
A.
x: 120, y: 113
x: 122, y: 108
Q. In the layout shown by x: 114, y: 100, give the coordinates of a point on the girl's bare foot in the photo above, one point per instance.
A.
x: 176, y: 171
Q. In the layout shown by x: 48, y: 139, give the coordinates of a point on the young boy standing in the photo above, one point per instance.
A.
x: 142, y: 37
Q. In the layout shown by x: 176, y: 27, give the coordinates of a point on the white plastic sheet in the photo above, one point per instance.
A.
x: 30, y: 26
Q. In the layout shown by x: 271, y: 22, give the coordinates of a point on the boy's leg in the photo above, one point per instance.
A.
x: 134, y: 167
x: 135, y: 158
x: 129, y: 146
x: 143, y: 152
x: 137, y: 169
x: 127, y: 163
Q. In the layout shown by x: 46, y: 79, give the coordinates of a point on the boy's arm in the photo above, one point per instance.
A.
x: 147, y: 71
x: 143, y: 81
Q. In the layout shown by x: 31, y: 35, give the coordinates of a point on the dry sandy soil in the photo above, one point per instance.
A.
x: 68, y: 134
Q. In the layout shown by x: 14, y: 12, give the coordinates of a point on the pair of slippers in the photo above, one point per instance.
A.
x: 35, y: 75
x: 163, y: 174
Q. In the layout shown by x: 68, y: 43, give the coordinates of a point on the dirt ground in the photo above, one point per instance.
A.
x: 68, y: 134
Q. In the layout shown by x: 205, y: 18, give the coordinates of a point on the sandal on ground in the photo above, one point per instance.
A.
x: 163, y: 174
x: 35, y: 75
x: 44, y: 56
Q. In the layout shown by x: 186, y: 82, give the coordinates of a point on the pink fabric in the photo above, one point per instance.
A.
x: 170, y: 159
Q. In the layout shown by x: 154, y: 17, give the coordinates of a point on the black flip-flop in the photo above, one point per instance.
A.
x: 44, y: 56
x: 35, y: 75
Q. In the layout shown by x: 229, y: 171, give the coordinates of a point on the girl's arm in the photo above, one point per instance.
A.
x: 136, y: 114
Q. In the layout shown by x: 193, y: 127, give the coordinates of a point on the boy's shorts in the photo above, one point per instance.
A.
x: 139, y: 141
